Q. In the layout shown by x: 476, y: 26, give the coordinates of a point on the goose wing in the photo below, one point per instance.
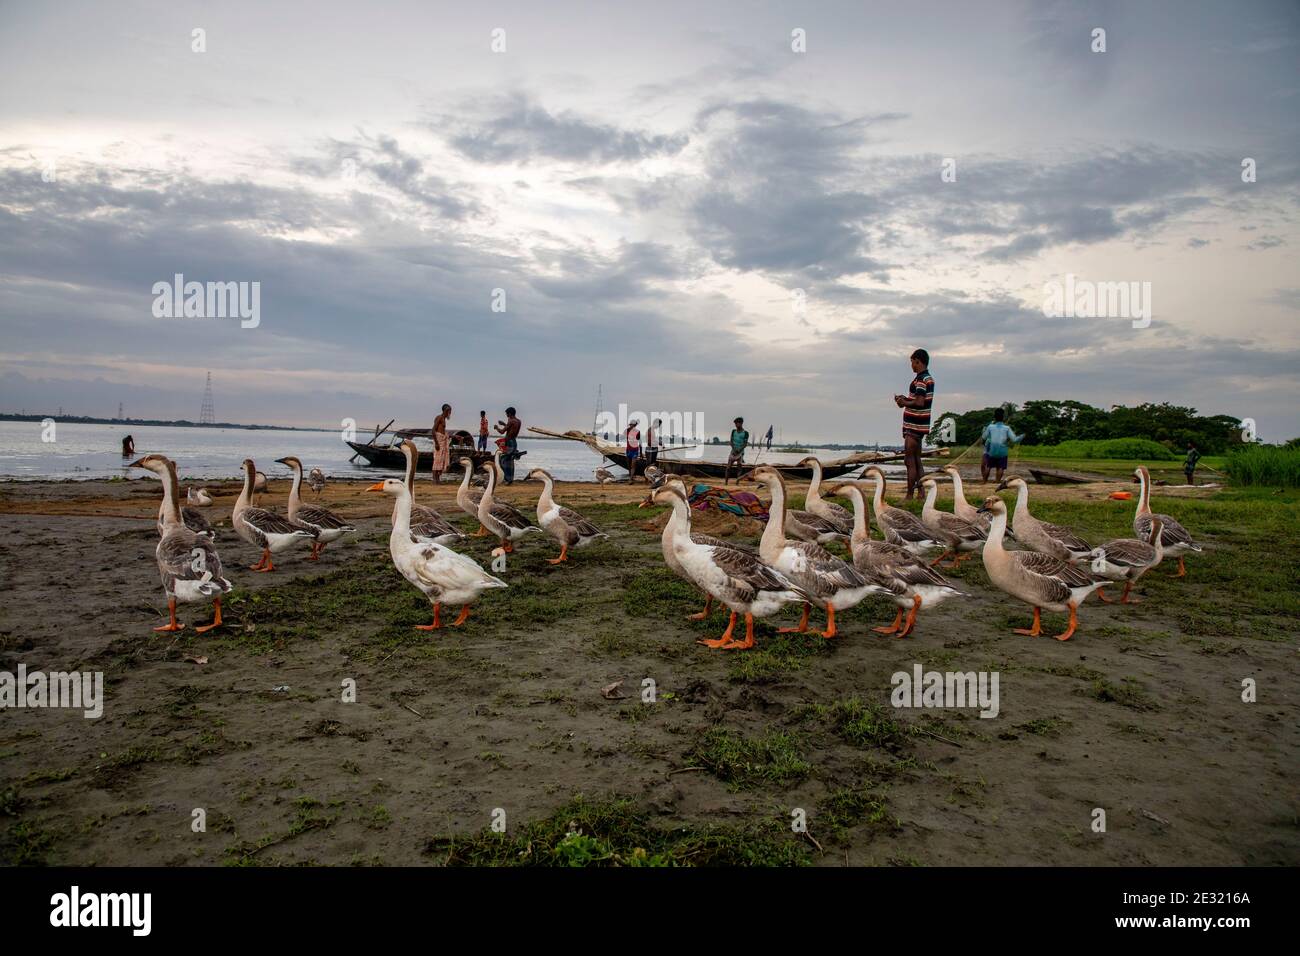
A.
x: 1171, y: 532
x: 509, y: 515
x: 814, y: 523
x: 966, y: 530
x: 1129, y: 553
x: 427, y: 523
x: 832, y: 573
x: 1065, y: 536
x: 321, y: 518
x: 1045, y: 566
x: 186, y: 556
x: 713, y: 542
x: 268, y: 522
x: 748, y: 575
x: 578, y: 523
x: 896, y: 568
x: 196, y: 521
x: 450, y: 570
x: 903, y: 525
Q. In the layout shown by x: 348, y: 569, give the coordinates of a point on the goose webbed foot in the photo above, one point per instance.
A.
x: 893, y: 628
x: 437, y: 620
x: 1036, y: 629
x: 803, y: 623
x: 216, y: 618
x: 725, y: 639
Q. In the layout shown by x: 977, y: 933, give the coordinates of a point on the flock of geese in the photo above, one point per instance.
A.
x: 1053, y: 569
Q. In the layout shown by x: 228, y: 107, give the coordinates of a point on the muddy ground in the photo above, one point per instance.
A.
x: 1141, y: 714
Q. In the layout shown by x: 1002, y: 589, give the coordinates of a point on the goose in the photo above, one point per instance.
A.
x: 259, y: 487
x: 565, y: 525
x: 734, y: 576
x: 829, y: 582
x: 805, y: 526
x: 960, y: 506
x: 1043, y: 536
x: 192, y: 518
x: 500, y: 518
x: 604, y: 476
x: 837, y: 515
x: 1038, y: 579
x: 911, y: 582
x: 1127, y: 559
x: 898, y: 526
x: 466, y: 499
x: 670, y: 556
x: 188, y: 563
x: 265, y: 529
x: 427, y: 525
x: 198, y: 497
x: 1175, y: 539
x: 328, y: 526
x: 959, y: 536
x: 443, y: 575
x: 317, y: 481
x: 655, y: 476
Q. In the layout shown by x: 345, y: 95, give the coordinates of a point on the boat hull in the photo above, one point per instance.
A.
x: 714, y: 469
x: 391, y: 457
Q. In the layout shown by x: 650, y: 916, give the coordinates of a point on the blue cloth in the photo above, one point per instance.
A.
x: 508, y: 459
x: 998, y: 437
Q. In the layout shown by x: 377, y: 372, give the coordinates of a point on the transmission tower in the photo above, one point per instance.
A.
x: 207, y: 416
x: 119, y: 412
x: 600, y: 407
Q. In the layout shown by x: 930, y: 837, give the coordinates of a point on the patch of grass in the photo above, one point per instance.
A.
x: 862, y: 724
x: 616, y: 833
x: 1275, y: 466
x: 1127, y: 694
x: 847, y: 808
x: 772, y: 759
x: 27, y: 843
x: 378, y: 818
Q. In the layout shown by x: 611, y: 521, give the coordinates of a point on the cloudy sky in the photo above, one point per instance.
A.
x: 657, y: 188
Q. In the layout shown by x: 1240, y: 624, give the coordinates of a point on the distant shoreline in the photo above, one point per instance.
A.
x: 129, y: 422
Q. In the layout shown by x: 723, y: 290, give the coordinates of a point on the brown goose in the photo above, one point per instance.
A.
x: 837, y: 515
x: 326, y: 525
x: 501, y: 518
x: 427, y: 525
x: 267, y: 530
x: 467, y: 500
x: 830, y: 583
x: 187, y: 562
x: 958, y: 536
x: 911, y: 582
x: 736, y: 577
x: 1175, y: 539
x: 565, y: 525
x: 192, y: 518
x: 1127, y: 559
x: 960, y: 506
x: 899, y: 527
x: 1038, y: 579
x: 1054, y: 539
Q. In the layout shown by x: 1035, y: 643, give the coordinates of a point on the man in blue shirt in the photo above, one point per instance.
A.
x: 997, y: 438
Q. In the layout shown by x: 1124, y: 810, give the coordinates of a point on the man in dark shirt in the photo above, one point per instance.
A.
x: 1189, y: 463
x: 916, y: 416
x: 510, y: 429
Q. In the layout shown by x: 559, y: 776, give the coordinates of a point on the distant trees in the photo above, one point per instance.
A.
x: 1047, y: 422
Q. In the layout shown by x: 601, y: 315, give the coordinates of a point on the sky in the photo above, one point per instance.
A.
x: 732, y: 208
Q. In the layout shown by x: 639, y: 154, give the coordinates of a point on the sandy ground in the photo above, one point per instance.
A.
x: 508, y: 712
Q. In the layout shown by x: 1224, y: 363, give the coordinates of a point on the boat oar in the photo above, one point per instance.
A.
x: 378, y: 432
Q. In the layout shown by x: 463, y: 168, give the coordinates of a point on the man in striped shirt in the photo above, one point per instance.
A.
x: 916, y: 417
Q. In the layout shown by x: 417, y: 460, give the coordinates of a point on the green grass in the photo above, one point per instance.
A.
x: 617, y: 833
x: 1273, y: 466
x: 862, y: 724
x: 772, y: 758
x: 1126, y: 449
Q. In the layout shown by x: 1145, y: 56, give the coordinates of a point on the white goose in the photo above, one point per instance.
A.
x: 467, y: 500
x: 428, y: 526
x: 837, y: 515
x: 565, y: 525
x: 959, y: 536
x: 830, y: 583
x: 501, y: 518
x: 443, y: 576
x: 325, y: 524
x: 265, y: 529
x: 960, y: 506
x: 1038, y: 579
x: 735, y: 576
x: 899, y: 527
x: 1175, y: 539
x: 1054, y: 539
x: 198, y: 497
x: 188, y: 563
x: 911, y: 582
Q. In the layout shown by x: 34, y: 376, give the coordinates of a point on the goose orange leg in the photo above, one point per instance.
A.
x: 803, y: 623
x: 481, y: 532
x: 564, y: 555
x: 941, y: 557
x: 261, y: 562
x: 1074, y: 622
x: 315, y: 551
x: 830, y: 623
x: 748, y: 642
x: 1038, y: 625
x: 725, y: 639
x: 1124, y: 598
x: 893, y: 628
x: 437, y: 619
x: 1101, y: 595
x: 1182, y: 568
x: 911, y: 616
x: 171, y: 625
x: 703, y: 615
x: 462, y: 617
x: 216, y: 617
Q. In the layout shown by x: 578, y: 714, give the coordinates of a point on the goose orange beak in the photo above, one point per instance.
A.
x: 377, y: 486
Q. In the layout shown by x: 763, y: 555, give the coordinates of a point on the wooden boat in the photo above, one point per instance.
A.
x: 1049, y: 476
x: 390, y: 455
x: 699, y: 468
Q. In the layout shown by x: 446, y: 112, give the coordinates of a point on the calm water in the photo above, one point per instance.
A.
x: 95, y: 451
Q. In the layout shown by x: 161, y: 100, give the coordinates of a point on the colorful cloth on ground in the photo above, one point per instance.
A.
x: 997, y: 439
x: 441, y: 451
x: 917, y: 420
x: 741, y: 503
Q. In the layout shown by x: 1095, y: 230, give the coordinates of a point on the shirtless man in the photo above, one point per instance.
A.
x: 510, y: 428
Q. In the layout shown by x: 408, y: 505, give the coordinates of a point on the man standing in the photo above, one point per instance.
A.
x: 510, y: 429
x: 652, y: 443
x: 769, y: 437
x: 916, y: 416
x: 441, y: 447
x: 739, y: 442
x: 632, y: 447
x: 1189, y: 463
x: 997, y: 439
x: 482, y: 430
